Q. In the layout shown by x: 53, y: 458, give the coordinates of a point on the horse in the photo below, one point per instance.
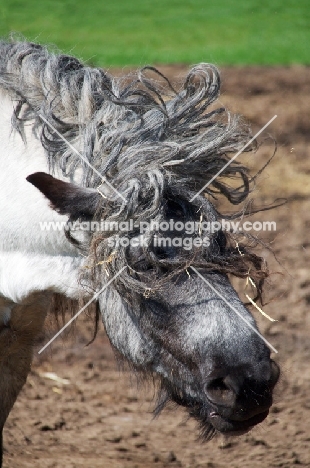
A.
x: 81, y: 148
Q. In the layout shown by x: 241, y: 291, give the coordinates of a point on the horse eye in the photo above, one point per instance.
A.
x: 145, y: 266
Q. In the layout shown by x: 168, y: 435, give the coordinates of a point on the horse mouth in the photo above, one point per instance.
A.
x: 234, y: 428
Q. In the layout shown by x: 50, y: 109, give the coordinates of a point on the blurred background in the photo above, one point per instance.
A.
x: 139, y: 32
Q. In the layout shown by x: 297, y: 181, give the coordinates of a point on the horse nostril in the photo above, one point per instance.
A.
x: 220, y: 393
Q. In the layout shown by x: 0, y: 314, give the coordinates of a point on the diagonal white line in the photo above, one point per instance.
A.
x: 82, y: 157
x: 234, y: 309
x: 232, y: 159
x: 81, y: 310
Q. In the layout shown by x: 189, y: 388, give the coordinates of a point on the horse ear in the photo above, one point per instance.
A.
x: 64, y: 197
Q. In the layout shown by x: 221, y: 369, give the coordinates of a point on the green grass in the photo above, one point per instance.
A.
x: 136, y: 32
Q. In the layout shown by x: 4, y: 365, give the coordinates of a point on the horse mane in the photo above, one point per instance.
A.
x: 150, y: 141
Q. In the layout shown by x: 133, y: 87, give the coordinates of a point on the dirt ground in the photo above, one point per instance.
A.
x: 99, y: 418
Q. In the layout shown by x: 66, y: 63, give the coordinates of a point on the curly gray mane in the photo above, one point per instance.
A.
x: 151, y: 142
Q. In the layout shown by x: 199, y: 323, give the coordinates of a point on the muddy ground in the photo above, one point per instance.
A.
x: 99, y: 418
